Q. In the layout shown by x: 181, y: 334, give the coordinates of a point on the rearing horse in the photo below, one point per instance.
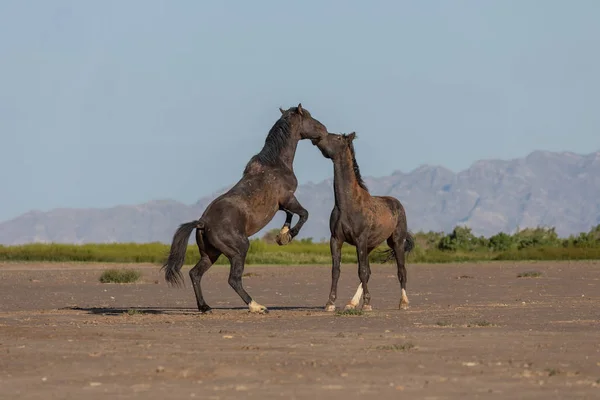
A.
x: 267, y: 186
x: 361, y: 220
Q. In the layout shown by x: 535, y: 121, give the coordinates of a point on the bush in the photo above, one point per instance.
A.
x: 501, y: 242
x: 461, y: 238
x: 590, y: 239
x: 536, y: 237
x: 428, y: 240
x: 271, y: 235
x: 257, y: 246
x: 120, y: 276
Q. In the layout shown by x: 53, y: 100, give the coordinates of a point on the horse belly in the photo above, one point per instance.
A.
x: 382, y: 229
x: 259, y: 216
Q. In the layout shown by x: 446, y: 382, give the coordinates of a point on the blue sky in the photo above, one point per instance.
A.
x: 112, y: 102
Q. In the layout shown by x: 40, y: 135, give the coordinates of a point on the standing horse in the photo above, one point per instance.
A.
x: 267, y: 186
x: 361, y: 220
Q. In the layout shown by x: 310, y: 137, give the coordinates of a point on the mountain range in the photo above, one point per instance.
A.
x: 542, y: 189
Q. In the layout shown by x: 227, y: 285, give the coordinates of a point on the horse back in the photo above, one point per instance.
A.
x: 252, y: 202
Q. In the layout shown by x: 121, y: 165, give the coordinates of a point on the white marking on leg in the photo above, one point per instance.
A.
x: 330, y: 307
x: 254, y: 307
x: 404, y: 300
x: 356, y: 299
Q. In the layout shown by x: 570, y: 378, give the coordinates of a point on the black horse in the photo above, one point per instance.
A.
x: 361, y: 220
x: 267, y: 186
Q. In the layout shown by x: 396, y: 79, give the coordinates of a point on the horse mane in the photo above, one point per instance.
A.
x: 356, y: 168
x: 274, y: 143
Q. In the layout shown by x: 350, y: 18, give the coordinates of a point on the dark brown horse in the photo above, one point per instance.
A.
x: 361, y: 220
x: 267, y: 186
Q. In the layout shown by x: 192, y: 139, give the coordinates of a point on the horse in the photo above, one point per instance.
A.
x: 267, y: 185
x: 363, y: 221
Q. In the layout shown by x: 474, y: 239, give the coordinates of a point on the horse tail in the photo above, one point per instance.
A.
x: 409, y: 245
x: 176, y: 258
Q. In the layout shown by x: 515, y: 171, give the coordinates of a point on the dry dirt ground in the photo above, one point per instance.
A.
x: 472, y: 331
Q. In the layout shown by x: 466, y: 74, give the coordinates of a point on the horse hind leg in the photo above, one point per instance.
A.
x: 237, y: 258
x: 196, y: 274
x: 208, y: 256
x: 398, y: 246
x: 235, y: 281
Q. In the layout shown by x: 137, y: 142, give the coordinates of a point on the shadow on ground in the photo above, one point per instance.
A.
x: 173, y: 310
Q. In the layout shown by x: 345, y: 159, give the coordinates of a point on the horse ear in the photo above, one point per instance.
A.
x: 300, y: 111
x: 282, y: 110
x: 351, y: 136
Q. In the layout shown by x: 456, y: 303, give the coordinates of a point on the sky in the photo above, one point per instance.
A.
x: 113, y: 102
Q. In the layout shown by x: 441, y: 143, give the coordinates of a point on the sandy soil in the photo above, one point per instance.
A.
x: 472, y: 331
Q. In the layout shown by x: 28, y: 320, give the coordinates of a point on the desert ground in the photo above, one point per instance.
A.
x: 472, y: 331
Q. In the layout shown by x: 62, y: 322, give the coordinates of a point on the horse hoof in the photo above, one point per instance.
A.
x: 367, y: 308
x: 403, y: 306
x: 330, y: 307
x: 283, y: 238
x: 205, y: 310
x: 256, y: 308
x: 349, y: 307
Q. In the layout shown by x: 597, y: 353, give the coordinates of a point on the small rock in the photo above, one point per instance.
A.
x: 95, y: 383
x: 160, y: 368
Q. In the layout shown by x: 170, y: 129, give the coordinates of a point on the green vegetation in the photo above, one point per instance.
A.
x: 120, y: 276
x: 529, y: 274
x: 396, y: 347
x: 349, y: 312
x: 432, y: 247
x: 482, y: 323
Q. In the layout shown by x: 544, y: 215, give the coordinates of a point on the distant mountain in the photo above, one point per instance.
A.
x: 542, y: 189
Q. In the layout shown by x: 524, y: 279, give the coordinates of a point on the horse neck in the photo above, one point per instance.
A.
x: 345, y: 184
x: 288, y: 152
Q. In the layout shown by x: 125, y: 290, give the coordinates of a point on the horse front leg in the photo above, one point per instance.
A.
x: 355, y: 299
x: 283, y: 237
x: 335, y: 245
x: 291, y: 206
x: 364, y: 272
